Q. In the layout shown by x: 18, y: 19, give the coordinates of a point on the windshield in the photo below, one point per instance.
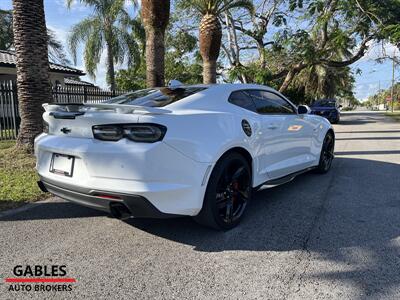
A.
x: 324, y: 103
x: 156, y: 97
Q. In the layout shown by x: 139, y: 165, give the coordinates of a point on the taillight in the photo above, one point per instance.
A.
x: 147, y: 133
x: 141, y: 133
x: 107, y: 132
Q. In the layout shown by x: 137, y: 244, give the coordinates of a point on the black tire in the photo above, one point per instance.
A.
x: 327, y: 154
x: 336, y: 121
x: 228, y: 192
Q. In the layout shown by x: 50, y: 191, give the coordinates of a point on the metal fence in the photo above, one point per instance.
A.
x: 9, y: 114
x: 82, y: 94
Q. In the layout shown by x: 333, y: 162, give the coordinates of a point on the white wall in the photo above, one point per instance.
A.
x: 10, y: 74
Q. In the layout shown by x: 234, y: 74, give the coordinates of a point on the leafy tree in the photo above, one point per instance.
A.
x: 33, y: 82
x: 6, y: 30
x: 182, y: 62
x: 155, y: 16
x: 132, y: 79
x: 56, y: 49
x: 182, y: 58
x: 340, y: 34
x: 321, y: 82
x: 106, y: 29
x: 382, y: 96
x: 210, y: 30
x: 321, y: 35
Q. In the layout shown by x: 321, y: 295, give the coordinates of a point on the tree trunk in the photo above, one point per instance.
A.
x: 110, y: 66
x: 209, y: 71
x: 155, y: 16
x: 155, y: 55
x: 288, y: 79
x: 210, y: 45
x: 261, y: 52
x: 33, y: 82
x: 296, y: 69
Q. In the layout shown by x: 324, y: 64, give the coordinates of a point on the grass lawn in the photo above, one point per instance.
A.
x: 8, y: 133
x: 17, y: 177
x: 395, y: 115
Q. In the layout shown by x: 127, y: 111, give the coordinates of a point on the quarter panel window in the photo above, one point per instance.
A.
x: 270, y: 103
x: 242, y: 99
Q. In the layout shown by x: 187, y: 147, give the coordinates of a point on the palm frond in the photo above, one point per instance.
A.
x: 94, y: 3
x: 216, y: 7
x: 80, y: 33
x: 93, y: 50
x: 56, y: 49
x: 246, y: 4
x: 126, y: 48
x: 115, y: 9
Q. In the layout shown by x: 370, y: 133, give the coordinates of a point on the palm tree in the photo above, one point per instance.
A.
x: 155, y: 16
x: 210, y: 31
x: 320, y: 81
x: 106, y: 28
x: 30, y: 41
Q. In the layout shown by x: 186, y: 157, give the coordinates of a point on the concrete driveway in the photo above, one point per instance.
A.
x: 335, y: 236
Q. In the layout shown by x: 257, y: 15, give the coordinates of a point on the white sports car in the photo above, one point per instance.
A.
x: 182, y: 150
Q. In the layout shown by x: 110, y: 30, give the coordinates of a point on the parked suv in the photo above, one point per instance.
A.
x: 327, y: 108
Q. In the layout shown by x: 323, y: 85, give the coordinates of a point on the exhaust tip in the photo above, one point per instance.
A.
x: 42, y: 187
x: 120, y: 211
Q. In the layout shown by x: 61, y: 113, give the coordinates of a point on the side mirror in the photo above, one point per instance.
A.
x: 303, y: 110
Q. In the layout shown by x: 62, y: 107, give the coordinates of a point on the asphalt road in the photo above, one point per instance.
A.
x: 335, y: 236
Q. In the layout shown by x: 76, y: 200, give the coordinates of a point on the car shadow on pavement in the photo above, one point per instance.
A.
x: 52, y: 210
x: 349, y: 217
x: 369, y: 131
x: 357, y: 121
x: 374, y: 152
x: 371, y: 138
x: 356, y: 204
x: 346, y: 225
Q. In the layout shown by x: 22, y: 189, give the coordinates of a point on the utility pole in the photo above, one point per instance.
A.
x: 379, y: 94
x: 393, y: 73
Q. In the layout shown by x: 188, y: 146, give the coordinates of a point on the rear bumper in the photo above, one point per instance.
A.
x: 138, y: 206
x: 171, y: 182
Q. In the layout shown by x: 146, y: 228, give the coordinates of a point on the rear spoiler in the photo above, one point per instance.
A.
x: 118, y: 108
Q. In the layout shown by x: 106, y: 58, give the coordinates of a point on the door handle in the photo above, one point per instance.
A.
x: 272, y: 126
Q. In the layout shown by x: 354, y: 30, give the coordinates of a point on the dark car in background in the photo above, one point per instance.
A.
x: 327, y: 108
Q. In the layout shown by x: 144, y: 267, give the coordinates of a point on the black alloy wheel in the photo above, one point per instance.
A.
x: 327, y: 153
x: 228, y: 193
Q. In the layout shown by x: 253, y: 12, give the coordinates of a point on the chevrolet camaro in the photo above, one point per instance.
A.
x: 181, y: 150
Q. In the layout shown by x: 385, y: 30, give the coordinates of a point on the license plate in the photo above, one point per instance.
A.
x: 62, y: 164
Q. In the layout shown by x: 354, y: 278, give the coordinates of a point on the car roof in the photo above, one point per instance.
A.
x: 211, y: 97
x: 229, y: 86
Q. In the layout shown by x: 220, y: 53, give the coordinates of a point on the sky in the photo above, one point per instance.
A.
x: 60, y: 20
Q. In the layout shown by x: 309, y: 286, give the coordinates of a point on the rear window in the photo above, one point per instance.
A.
x: 156, y: 97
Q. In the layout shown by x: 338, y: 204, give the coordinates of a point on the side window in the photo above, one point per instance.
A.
x: 242, y: 99
x: 270, y: 103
